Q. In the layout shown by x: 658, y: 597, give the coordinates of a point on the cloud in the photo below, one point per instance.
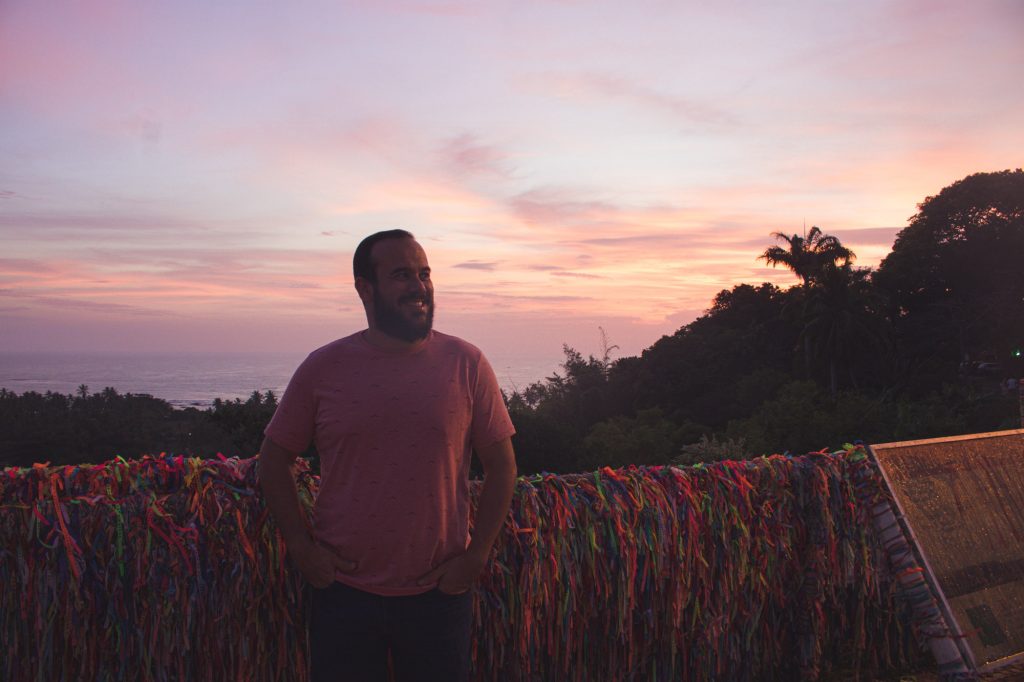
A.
x: 601, y: 207
x: 24, y: 266
x: 605, y: 86
x: 477, y: 265
x: 650, y: 240
x: 228, y: 282
x: 466, y: 156
x: 682, y: 108
x: 543, y: 206
x: 579, y: 275
x: 436, y: 9
x: 91, y: 221
x: 144, y: 126
x: 596, y: 227
x: 76, y: 305
x: 651, y: 259
x: 318, y: 145
x: 487, y: 295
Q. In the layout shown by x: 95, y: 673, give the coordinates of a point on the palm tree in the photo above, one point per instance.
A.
x: 808, y: 256
x: 841, y: 322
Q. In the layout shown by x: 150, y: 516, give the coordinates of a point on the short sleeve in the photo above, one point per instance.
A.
x: 491, y: 421
x: 294, y: 422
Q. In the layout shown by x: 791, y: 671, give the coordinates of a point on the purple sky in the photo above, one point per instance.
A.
x: 195, y: 176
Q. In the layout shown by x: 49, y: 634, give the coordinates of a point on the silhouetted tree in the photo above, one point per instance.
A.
x: 725, y: 383
x: 75, y: 429
x: 702, y: 372
x: 955, y: 276
x: 843, y: 324
x: 808, y: 256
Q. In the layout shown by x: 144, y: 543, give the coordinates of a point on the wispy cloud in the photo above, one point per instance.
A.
x: 677, y: 107
x: 573, y: 165
x: 529, y: 300
x: 78, y: 306
x: 477, y: 265
x: 144, y: 126
x: 577, y: 275
x: 465, y: 155
x: 439, y: 9
x: 640, y: 240
x: 93, y: 222
x: 231, y: 282
x: 548, y: 205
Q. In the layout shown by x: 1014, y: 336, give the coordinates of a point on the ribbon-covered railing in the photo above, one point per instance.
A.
x: 170, y: 568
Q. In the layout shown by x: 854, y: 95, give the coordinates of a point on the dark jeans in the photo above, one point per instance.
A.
x: 351, y: 633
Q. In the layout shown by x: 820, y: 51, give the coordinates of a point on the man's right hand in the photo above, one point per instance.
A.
x: 318, y: 563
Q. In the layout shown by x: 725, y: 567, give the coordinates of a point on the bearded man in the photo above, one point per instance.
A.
x: 395, y: 412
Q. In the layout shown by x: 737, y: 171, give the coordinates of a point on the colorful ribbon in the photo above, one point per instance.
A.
x: 170, y: 568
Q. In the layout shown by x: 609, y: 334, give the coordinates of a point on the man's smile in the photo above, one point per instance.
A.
x: 417, y: 304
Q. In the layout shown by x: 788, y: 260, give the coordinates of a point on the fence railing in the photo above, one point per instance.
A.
x: 170, y: 568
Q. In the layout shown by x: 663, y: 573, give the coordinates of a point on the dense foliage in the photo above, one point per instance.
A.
x: 66, y: 429
x: 922, y: 347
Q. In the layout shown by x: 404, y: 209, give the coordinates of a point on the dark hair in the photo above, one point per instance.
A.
x: 362, y: 264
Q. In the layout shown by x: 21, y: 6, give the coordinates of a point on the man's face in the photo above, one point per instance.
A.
x: 403, y: 295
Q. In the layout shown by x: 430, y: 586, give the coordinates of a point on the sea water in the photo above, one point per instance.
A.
x: 197, y: 379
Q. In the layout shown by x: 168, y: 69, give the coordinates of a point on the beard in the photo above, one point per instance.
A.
x: 393, y: 322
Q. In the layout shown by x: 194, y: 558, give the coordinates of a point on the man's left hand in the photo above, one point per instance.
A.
x: 456, y: 575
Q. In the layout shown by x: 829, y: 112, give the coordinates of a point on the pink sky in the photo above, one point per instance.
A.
x: 195, y: 176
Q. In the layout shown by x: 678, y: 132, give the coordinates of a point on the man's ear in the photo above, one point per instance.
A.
x: 364, y: 288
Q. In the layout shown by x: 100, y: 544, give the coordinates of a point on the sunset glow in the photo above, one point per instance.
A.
x: 195, y: 176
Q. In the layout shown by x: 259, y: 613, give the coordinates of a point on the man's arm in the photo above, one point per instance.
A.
x: 316, y: 563
x: 459, y: 573
x: 499, y: 464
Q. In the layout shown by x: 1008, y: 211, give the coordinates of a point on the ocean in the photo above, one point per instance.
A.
x: 197, y: 379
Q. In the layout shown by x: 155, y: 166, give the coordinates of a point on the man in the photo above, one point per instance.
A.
x: 395, y: 411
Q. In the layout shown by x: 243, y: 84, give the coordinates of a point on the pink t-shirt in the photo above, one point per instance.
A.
x: 395, y: 433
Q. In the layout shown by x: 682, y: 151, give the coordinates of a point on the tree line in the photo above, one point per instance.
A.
x: 922, y: 346
x: 926, y: 345
x: 94, y: 427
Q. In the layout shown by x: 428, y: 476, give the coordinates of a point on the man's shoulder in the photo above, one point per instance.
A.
x: 453, y: 344
x: 337, y: 350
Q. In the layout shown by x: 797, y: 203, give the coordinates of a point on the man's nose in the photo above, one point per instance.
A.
x: 418, y: 286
